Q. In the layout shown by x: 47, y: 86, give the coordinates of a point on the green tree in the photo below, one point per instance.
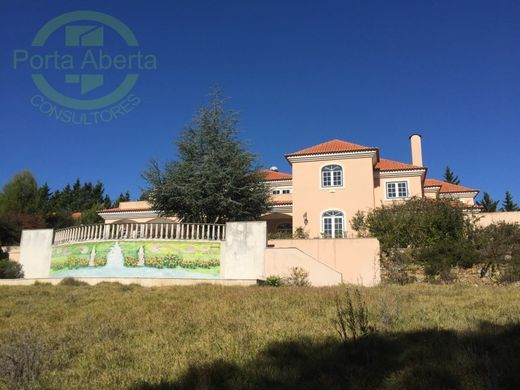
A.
x: 215, y: 178
x: 508, y: 204
x: 21, y: 195
x: 488, y: 204
x: 122, y: 198
x: 450, y: 177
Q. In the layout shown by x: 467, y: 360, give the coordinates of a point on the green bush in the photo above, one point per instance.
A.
x: 10, y: 269
x: 300, y: 233
x: 74, y: 262
x: 297, y: 278
x: 274, y: 281
x: 171, y: 261
x: 154, y: 262
x: 280, y: 236
x: 131, y: 261
x: 440, y: 258
x: 100, y: 261
x: 69, y: 281
x: 499, y: 247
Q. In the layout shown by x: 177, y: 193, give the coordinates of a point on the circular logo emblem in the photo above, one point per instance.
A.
x: 85, y: 61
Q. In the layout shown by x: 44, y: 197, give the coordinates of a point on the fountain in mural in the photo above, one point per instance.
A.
x: 115, y: 259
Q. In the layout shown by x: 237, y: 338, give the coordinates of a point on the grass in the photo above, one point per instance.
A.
x: 115, y: 336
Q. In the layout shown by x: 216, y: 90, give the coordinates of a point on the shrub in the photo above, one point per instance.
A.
x: 440, y: 258
x: 273, y: 281
x: 171, y: 261
x: 297, y: 278
x: 359, y: 224
x: 499, y: 245
x: 155, y: 262
x: 300, y: 233
x: 3, y: 255
x: 279, y: 236
x: 74, y: 262
x: 131, y: 261
x: 10, y: 269
x: 69, y: 281
x: 22, y: 360
x: 351, y: 319
x: 100, y: 261
x: 417, y: 223
x: 396, y: 267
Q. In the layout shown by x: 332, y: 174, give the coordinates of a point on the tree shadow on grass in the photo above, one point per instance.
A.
x: 431, y: 359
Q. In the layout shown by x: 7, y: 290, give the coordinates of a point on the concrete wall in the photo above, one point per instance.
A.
x: 485, y: 219
x: 279, y: 261
x: 242, y: 254
x: 357, y: 259
x: 35, y: 252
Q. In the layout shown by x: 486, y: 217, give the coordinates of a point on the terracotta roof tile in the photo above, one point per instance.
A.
x: 270, y: 175
x: 333, y: 146
x: 280, y: 202
x: 447, y: 187
x: 390, y: 165
x: 120, y: 210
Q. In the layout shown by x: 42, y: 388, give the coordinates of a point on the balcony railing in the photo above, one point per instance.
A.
x: 141, y: 231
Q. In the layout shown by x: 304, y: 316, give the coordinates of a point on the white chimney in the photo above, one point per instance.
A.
x: 274, y: 169
x: 416, y: 145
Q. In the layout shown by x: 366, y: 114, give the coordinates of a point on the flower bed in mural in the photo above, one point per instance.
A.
x: 137, y: 259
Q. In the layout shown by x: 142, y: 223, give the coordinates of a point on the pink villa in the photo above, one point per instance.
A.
x: 330, y: 182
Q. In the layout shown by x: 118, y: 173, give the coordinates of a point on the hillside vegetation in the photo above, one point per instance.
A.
x: 115, y: 336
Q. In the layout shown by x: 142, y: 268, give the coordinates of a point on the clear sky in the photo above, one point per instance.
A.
x: 299, y: 73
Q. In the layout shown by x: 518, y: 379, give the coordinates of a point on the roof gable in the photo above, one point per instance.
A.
x: 332, y: 146
x: 270, y: 175
x: 390, y: 165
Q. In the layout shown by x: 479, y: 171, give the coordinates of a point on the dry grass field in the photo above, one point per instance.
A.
x: 112, y: 336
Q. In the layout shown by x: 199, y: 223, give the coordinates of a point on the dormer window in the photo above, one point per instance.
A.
x: 397, y: 190
x: 332, y: 176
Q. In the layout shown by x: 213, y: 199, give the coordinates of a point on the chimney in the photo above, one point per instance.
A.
x: 415, y: 143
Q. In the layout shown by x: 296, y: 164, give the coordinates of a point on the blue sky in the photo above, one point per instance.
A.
x: 299, y: 73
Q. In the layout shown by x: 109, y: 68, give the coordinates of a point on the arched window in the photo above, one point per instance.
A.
x: 284, y: 228
x: 333, y: 224
x: 331, y: 176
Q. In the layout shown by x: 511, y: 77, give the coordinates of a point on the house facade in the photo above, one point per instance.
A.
x: 332, y: 181
x: 329, y: 183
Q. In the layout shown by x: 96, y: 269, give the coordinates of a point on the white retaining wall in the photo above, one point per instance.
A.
x: 36, y: 252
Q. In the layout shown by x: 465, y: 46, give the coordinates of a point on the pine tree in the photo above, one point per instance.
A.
x: 488, y: 204
x: 215, y: 178
x: 450, y: 177
x: 508, y: 204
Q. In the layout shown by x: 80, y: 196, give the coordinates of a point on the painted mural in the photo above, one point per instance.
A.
x: 145, y: 259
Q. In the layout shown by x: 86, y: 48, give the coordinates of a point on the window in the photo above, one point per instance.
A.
x: 286, y: 191
x: 331, y: 176
x: 333, y: 224
x: 276, y: 192
x: 397, y: 189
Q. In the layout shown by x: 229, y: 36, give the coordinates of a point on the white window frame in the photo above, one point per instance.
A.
x: 332, y: 186
x: 396, y: 184
x: 333, y: 219
x: 275, y: 191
